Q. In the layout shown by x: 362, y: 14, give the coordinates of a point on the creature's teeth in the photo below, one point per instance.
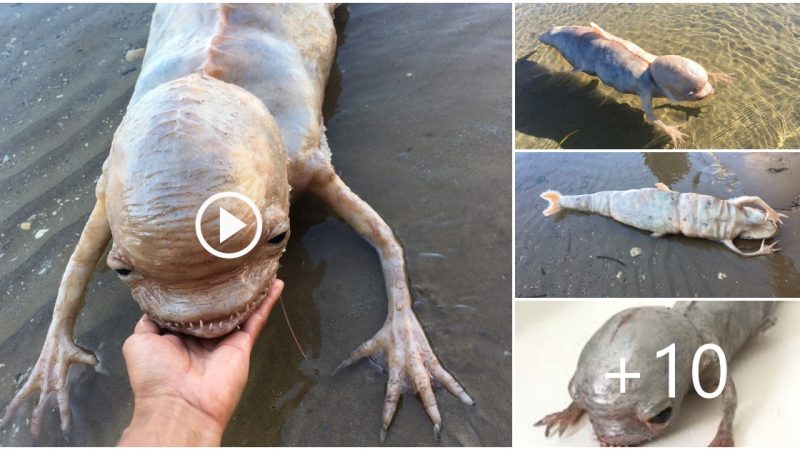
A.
x: 191, y: 325
x: 231, y: 319
x: 201, y: 324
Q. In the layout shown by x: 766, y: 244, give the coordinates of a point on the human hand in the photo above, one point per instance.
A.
x: 185, y: 388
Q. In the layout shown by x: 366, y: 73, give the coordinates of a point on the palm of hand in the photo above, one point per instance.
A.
x: 208, y: 374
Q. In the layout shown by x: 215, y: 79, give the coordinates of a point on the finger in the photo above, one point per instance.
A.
x: 550, y: 422
x: 256, y: 322
x: 363, y: 350
x: 83, y: 357
x: 36, y: 417
x: 422, y: 381
x: 450, y: 383
x: 145, y: 326
x: 393, y: 390
x: 18, y: 399
x: 63, y: 406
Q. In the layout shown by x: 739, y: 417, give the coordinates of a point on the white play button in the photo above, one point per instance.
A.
x: 228, y: 225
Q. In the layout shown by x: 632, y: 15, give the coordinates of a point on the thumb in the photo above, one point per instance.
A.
x: 255, y: 323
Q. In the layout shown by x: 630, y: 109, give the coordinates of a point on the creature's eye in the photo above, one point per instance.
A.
x: 123, y: 272
x: 277, y: 239
x: 691, y: 93
x: 661, y: 417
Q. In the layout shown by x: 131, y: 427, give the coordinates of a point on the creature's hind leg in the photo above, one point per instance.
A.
x: 409, y: 359
x: 771, y: 214
x: 764, y: 250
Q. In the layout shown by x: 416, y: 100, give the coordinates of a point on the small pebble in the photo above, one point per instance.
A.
x: 722, y: 275
x: 40, y: 233
x: 25, y: 226
x: 134, y: 55
x: 619, y: 275
x: 636, y: 251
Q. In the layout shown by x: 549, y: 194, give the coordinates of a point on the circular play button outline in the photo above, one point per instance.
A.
x: 198, y: 221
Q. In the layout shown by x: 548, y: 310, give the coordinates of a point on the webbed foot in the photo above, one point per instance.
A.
x: 562, y: 419
x: 49, y: 376
x: 411, y: 366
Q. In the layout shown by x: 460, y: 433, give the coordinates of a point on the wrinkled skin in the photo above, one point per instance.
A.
x: 628, y: 68
x: 664, y: 211
x: 229, y: 99
x: 645, y: 410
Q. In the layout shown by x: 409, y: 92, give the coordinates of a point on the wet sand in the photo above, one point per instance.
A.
x: 757, y: 43
x: 574, y: 254
x: 418, y: 113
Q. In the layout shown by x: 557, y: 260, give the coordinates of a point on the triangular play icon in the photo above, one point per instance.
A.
x: 228, y: 225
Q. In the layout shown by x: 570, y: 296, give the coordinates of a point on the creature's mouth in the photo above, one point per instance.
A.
x: 212, y: 327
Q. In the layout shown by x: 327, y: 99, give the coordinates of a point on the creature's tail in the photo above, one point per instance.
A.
x: 552, y: 197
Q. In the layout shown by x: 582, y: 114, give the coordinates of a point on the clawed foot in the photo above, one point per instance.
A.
x: 774, y: 216
x: 721, y: 77
x: 767, y: 249
x: 675, y: 134
x: 49, y: 376
x: 673, y: 131
x: 562, y: 419
x: 411, y: 365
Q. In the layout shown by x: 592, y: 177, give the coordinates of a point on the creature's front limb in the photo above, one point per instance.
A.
x: 771, y: 214
x: 562, y: 419
x: 764, y: 250
x: 724, y: 437
x: 401, y: 342
x: 49, y: 375
x: 673, y: 131
x: 721, y: 77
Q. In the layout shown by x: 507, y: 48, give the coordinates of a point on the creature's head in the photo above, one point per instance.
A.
x: 753, y: 224
x: 680, y: 79
x: 645, y: 410
x: 179, y: 144
x: 554, y: 36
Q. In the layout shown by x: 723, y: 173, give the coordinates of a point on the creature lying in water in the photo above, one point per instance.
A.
x: 229, y: 99
x: 627, y: 68
x: 664, y: 211
x: 646, y: 410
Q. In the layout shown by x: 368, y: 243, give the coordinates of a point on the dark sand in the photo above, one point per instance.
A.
x: 757, y: 43
x: 568, y: 254
x: 419, y: 113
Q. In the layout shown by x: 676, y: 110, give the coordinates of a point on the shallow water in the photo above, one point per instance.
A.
x: 574, y: 254
x: 438, y: 177
x: 758, y: 43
